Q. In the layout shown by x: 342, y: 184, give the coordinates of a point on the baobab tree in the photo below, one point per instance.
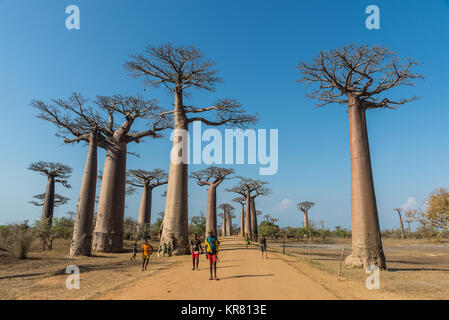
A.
x: 108, y: 232
x: 399, y: 210
x: 212, y: 177
x: 250, y: 189
x: 223, y: 223
x: 148, y: 180
x: 227, y: 218
x: 357, y: 76
x: 180, y: 69
x: 55, y: 173
x: 305, y: 207
x: 242, y: 202
x: 78, y: 121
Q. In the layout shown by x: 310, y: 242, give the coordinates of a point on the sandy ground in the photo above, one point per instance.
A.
x: 243, y: 274
x: 417, y: 269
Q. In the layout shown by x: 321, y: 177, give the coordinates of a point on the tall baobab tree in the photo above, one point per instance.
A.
x: 55, y: 173
x: 358, y: 76
x: 108, y: 232
x: 212, y: 177
x: 242, y: 202
x: 231, y: 216
x: 399, y: 210
x: 305, y: 207
x: 223, y: 223
x: 250, y: 189
x: 180, y: 69
x: 409, y: 228
x: 148, y: 180
x: 80, y: 122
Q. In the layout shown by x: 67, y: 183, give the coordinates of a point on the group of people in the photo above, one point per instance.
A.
x: 211, y: 245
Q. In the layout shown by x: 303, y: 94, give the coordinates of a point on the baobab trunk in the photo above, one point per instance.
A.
x: 242, y: 222
x: 402, y: 226
x: 248, y: 230
x: 49, y: 202
x: 366, y: 240
x: 144, y: 218
x: 253, y: 220
x: 223, y: 225
x: 229, y: 225
x: 176, y: 205
x: 306, y: 225
x: 82, y: 232
x: 108, y: 233
x: 211, y: 210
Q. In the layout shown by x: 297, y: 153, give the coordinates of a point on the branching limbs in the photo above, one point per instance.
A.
x: 142, y: 178
x: 212, y: 176
x: 361, y: 72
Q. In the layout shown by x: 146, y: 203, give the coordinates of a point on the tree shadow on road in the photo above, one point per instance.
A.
x: 248, y: 276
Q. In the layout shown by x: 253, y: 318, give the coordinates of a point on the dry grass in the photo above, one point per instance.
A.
x: 42, y: 275
x: 417, y: 269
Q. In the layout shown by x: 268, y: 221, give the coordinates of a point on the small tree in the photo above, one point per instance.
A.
x: 17, y: 237
x: 55, y: 173
x: 434, y: 219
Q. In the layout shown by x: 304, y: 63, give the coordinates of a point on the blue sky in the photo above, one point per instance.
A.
x: 257, y: 45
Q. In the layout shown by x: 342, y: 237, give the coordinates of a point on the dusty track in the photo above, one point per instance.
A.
x: 244, y: 274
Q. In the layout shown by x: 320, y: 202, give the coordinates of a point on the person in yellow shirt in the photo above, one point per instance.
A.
x: 211, y: 253
x: 147, y: 250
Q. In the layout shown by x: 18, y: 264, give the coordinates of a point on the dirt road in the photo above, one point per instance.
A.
x: 244, y: 274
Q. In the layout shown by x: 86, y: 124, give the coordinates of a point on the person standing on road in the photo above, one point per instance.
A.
x: 195, y: 246
x: 147, y: 250
x: 211, y: 253
x: 134, y: 251
x: 247, y: 242
x: 263, y: 245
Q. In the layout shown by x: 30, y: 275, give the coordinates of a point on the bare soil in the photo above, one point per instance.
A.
x: 417, y: 270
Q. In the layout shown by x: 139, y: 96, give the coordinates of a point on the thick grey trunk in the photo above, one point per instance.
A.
x: 366, y: 240
x: 254, y: 220
x: 49, y: 201
x: 242, y: 222
x: 144, y: 219
x: 82, y: 232
x: 176, y: 203
x: 248, y: 230
x: 211, y: 210
x: 108, y: 233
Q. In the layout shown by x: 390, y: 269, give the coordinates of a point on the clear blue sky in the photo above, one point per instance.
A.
x: 257, y: 45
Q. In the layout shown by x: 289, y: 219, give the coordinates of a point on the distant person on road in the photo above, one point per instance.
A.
x: 134, y: 252
x: 263, y: 245
x: 247, y: 242
x: 211, y: 253
x: 195, y: 246
x: 147, y: 250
